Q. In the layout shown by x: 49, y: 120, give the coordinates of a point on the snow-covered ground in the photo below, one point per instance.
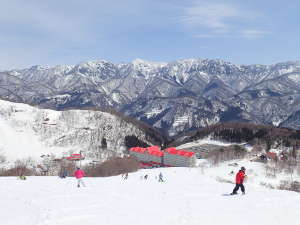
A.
x: 189, y: 196
x: 27, y: 131
x: 19, y: 138
x: 211, y: 141
x: 18, y: 142
x: 204, y: 142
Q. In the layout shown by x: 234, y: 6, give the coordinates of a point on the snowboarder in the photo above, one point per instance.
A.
x: 79, y: 174
x: 160, y: 177
x: 239, y: 180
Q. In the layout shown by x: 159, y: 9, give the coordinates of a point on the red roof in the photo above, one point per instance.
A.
x: 158, y: 153
x: 74, y: 156
x: 155, y: 150
x: 181, y: 152
x: 172, y: 151
x: 189, y: 154
x: 184, y: 153
x: 137, y: 149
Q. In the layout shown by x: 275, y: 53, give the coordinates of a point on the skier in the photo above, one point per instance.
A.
x: 239, y: 180
x: 125, y: 176
x: 63, y: 173
x: 22, y: 177
x: 160, y: 177
x: 79, y: 174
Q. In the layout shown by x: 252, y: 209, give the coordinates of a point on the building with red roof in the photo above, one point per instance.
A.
x: 152, y: 156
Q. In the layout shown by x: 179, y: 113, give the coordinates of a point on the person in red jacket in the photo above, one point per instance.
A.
x: 79, y: 174
x: 239, y: 180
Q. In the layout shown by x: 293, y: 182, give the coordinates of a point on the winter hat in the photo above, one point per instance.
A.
x: 243, y: 168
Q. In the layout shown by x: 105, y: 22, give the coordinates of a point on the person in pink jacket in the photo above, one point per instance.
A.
x: 79, y: 174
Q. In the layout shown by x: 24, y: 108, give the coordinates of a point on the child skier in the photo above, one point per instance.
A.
x: 79, y: 174
x: 239, y: 180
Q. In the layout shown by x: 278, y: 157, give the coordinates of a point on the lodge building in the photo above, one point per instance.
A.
x: 154, y: 157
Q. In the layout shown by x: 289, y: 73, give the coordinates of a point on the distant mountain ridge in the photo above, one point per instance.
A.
x: 174, y: 97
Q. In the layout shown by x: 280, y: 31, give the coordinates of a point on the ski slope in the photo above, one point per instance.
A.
x: 18, y: 144
x: 19, y: 136
x: 30, y: 132
x: 188, y: 196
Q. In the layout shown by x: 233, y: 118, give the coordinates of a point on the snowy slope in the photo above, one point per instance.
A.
x: 202, y: 142
x: 17, y: 143
x: 27, y: 131
x: 187, y: 197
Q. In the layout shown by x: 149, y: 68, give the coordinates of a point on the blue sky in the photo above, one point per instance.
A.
x: 52, y: 32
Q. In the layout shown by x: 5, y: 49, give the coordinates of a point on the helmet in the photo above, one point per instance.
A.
x: 243, y: 168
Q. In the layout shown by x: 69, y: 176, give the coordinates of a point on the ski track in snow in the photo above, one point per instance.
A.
x: 187, y: 197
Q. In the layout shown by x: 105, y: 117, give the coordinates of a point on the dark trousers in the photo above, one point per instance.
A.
x: 237, y: 186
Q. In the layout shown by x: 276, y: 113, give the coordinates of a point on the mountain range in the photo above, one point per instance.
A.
x: 173, y: 97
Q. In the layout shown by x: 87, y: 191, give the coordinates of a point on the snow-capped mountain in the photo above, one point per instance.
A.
x: 173, y: 97
x: 29, y: 131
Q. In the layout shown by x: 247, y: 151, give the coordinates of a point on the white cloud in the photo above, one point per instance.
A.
x: 212, y: 16
x: 212, y: 20
x: 204, y: 36
x: 253, y: 33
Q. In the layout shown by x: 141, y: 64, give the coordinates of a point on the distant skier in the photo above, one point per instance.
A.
x: 160, y: 177
x: 79, y: 174
x: 63, y: 173
x: 125, y: 176
x: 146, y: 177
x: 22, y: 177
x: 239, y: 180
